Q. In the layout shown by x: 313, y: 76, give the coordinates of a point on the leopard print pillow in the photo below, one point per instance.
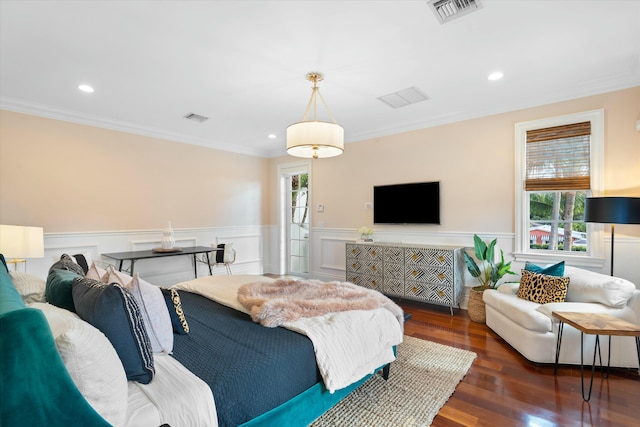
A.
x: 542, y: 288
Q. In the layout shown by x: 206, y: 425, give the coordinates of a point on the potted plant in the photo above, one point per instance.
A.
x: 488, y: 274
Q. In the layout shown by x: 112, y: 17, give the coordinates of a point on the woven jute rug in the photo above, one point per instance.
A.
x: 423, y: 377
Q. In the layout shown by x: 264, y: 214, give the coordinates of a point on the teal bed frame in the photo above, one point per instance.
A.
x: 37, y: 390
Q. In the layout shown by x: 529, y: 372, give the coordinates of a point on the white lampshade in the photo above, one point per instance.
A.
x: 315, y: 139
x: 21, y: 242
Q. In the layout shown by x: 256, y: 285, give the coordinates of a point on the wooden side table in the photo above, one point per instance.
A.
x: 595, y: 324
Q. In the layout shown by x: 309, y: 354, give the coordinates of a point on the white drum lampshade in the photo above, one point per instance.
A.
x: 18, y: 242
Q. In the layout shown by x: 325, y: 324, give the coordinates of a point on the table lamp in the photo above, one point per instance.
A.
x: 612, y: 210
x: 19, y: 242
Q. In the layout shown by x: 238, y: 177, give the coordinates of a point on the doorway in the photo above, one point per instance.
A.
x: 295, y: 218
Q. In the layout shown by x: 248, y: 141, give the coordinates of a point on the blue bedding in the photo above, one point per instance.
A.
x: 249, y: 368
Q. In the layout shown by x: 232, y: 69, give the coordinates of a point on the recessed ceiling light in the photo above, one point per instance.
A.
x: 86, y: 88
x: 496, y: 75
x: 272, y: 136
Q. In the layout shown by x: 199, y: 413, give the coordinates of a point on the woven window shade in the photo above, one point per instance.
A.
x: 558, y: 158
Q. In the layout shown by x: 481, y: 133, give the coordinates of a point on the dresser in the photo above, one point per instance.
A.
x: 431, y: 274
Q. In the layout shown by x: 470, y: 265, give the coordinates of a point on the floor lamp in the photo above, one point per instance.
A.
x: 612, y: 210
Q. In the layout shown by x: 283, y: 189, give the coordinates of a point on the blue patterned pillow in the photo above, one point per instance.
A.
x: 550, y: 270
x: 114, y: 311
x: 67, y: 263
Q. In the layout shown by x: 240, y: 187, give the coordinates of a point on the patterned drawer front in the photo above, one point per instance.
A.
x: 428, y: 274
x: 373, y: 268
x: 433, y: 257
x: 366, y: 281
x: 416, y: 290
x: 394, y: 286
x: 393, y: 271
x: 353, y: 251
x: 354, y: 266
x: 356, y: 279
x: 365, y: 252
x: 394, y: 255
x: 441, y: 294
x: 430, y: 292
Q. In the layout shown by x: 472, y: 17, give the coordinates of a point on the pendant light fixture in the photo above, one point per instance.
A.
x: 312, y: 138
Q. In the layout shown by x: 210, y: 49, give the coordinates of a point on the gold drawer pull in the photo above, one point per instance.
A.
x: 353, y: 265
x: 441, y: 293
x: 441, y: 276
x: 415, y: 290
x: 415, y: 273
x: 414, y: 256
x: 373, y: 268
x: 441, y: 258
x: 373, y: 253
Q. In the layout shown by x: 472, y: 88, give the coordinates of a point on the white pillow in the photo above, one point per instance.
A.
x: 91, y: 361
x: 96, y: 273
x: 229, y: 253
x: 587, y: 286
x: 31, y: 288
x: 153, y: 308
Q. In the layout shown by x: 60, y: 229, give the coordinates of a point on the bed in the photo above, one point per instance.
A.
x: 227, y: 371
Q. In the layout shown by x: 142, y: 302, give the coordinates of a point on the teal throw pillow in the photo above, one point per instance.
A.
x: 550, y: 270
x: 58, y: 289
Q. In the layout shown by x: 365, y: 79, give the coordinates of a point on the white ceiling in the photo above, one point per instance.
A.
x: 243, y: 63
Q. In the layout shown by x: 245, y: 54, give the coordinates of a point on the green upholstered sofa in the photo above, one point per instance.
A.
x: 35, y: 389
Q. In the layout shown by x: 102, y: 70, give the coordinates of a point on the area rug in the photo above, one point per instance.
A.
x: 423, y: 377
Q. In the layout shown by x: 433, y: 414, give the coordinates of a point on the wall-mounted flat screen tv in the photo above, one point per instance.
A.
x: 411, y: 203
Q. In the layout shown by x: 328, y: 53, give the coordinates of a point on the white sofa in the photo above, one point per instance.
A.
x: 530, y: 328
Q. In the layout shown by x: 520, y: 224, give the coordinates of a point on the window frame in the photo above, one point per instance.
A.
x: 594, y: 257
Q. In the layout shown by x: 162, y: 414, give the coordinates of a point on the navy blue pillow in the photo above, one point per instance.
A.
x: 552, y: 270
x: 174, y: 305
x: 114, y: 311
x: 57, y: 291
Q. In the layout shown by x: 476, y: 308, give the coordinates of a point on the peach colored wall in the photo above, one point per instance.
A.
x: 70, y: 177
x: 473, y: 160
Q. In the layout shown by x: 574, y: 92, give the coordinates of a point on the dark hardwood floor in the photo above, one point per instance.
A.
x: 502, y: 388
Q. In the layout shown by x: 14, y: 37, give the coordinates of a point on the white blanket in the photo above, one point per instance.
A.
x: 348, y: 345
x: 179, y: 397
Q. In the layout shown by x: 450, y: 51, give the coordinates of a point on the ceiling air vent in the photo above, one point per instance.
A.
x: 446, y: 10
x: 196, y: 117
x: 403, y: 97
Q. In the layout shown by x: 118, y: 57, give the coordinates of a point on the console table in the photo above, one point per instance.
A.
x: 133, y: 256
x: 431, y: 274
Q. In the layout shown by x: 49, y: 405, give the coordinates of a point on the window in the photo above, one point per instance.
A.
x: 559, y: 164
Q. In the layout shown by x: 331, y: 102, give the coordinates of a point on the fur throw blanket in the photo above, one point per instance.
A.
x: 274, y: 303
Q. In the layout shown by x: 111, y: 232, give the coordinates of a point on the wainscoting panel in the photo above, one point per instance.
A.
x: 258, y: 251
x: 248, y: 242
x: 328, y: 252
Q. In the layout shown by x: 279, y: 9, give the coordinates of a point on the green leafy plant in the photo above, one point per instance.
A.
x: 490, y: 271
